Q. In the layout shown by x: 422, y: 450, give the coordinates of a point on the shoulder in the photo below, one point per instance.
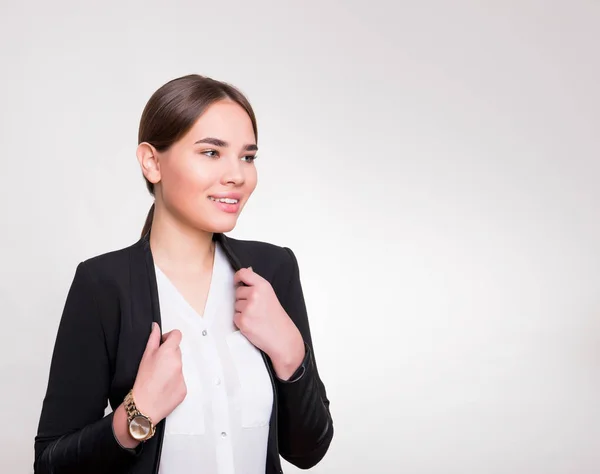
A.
x: 112, y: 267
x: 111, y: 258
x: 259, y: 248
x: 277, y: 263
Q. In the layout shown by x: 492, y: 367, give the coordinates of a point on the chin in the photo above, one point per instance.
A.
x: 221, y: 226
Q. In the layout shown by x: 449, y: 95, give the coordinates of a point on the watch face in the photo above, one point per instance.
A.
x: 139, y: 428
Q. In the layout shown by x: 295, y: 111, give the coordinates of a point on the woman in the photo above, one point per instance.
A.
x: 231, y: 383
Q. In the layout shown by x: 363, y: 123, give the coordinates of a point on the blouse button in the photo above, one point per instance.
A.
x: 204, y: 332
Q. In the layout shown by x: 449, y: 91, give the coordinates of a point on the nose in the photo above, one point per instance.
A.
x: 233, y: 172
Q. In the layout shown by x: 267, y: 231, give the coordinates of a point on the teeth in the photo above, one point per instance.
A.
x: 225, y: 200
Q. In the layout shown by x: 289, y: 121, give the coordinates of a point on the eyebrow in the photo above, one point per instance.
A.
x: 224, y: 144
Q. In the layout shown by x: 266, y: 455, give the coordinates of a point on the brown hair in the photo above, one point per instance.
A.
x: 174, y: 108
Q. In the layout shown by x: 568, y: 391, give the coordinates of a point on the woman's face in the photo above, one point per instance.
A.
x: 208, y: 175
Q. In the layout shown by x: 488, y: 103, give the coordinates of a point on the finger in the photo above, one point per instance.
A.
x: 248, y: 277
x: 172, y: 340
x: 240, y: 306
x: 154, y: 340
x: 166, y: 335
x: 237, y: 320
x: 244, y: 292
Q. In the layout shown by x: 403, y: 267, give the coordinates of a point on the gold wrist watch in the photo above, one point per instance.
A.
x: 141, y: 427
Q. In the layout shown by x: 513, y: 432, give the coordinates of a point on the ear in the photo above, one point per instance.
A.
x: 148, y: 159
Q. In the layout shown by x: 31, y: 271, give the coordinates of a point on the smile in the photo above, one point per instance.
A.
x: 224, y: 200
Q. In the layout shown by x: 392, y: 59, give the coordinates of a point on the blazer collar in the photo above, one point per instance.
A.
x: 144, y: 278
x: 236, y: 257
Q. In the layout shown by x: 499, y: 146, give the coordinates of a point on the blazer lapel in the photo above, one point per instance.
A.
x: 136, y: 321
x: 240, y: 260
x: 237, y: 259
x: 144, y: 281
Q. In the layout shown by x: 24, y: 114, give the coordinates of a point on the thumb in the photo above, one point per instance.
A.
x: 154, y: 339
x: 247, y: 276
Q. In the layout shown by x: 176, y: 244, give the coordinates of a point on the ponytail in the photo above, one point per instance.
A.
x: 148, y: 223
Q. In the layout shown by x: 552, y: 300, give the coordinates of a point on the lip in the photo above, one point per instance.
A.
x: 237, y: 196
x: 224, y: 207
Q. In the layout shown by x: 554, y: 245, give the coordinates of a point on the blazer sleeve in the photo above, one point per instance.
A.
x: 305, y: 427
x: 73, y: 434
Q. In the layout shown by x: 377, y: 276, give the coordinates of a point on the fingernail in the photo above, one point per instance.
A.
x: 250, y: 268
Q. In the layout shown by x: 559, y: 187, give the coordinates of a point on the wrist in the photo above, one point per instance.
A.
x: 141, y: 426
x: 121, y: 429
x: 287, y: 359
x: 142, y: 404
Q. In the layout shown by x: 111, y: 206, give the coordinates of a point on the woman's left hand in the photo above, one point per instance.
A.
x: 261, y: 318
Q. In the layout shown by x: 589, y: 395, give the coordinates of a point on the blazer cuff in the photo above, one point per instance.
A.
x: 301, y: 370
x: 133, y: 451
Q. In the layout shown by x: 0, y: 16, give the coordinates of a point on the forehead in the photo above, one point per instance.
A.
x: 225, y: 120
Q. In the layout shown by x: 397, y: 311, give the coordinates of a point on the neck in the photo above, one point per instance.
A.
x: 177, y: 247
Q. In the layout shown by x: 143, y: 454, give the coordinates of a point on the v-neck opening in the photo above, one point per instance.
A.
x: 207, y: 312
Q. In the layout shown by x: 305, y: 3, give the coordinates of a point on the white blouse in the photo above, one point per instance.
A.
x: 222, y: 426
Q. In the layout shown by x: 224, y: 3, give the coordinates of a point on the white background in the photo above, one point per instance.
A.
x: 434, y: 165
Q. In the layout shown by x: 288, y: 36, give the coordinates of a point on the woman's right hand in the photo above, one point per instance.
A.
x: 159, y: 385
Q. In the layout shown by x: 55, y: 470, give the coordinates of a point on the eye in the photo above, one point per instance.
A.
x: 210, y: 153
x: 249, y: 158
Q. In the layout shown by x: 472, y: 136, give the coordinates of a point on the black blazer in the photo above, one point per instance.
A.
x: 105, y: 326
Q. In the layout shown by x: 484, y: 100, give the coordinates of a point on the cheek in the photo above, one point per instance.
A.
x: 183, y: 186
x: 251, y: 179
